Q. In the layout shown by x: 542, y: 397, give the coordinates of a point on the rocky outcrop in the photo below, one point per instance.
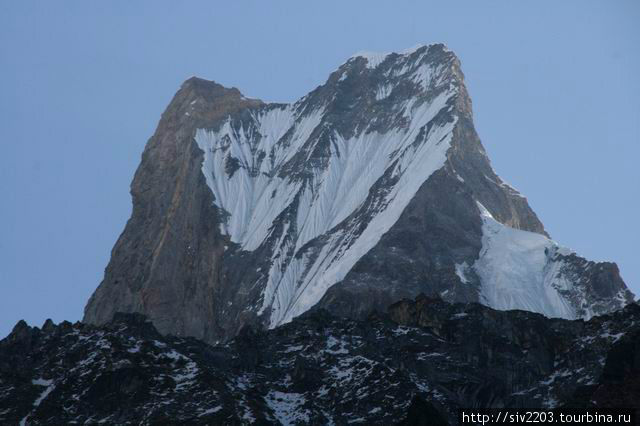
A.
x: 415, y: 365
x: 372, y: 188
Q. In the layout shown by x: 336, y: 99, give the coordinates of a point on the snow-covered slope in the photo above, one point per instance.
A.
x: 528, y: 271
x: 257, y: 196
x: 364, y: 191
x: 519, y: 270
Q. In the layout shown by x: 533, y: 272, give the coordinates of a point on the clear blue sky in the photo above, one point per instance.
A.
x: 555, y: 88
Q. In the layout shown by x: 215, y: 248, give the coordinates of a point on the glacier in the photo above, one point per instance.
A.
x: 519, y: 270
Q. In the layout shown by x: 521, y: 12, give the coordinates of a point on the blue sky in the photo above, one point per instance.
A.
x: 555, y: 91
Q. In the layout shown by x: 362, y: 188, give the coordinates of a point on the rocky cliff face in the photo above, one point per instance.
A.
x: 167, y: 262
x: 372, y: 188
x: 415, y: 365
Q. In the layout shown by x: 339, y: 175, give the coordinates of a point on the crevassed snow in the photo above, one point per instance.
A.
x: 255, y: 194
x: 517, y: 270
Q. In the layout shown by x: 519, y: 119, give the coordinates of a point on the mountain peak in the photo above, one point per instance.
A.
x: 363, y: 192
x: 374, y: 59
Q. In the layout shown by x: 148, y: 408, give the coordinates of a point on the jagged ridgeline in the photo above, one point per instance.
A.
x: 416, y: 365
x: 371, y: 188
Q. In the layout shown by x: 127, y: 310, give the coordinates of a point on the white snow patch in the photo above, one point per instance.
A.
x: 335, y: 346
x: 187, y: 374
x: 461, y: 270
x: 401, y: 330
x: 383, y: 91
x: 136, y: 348
x: 288, y: 407
x: 210, y: 411
x: 186, y: 377
x: 423, y: 356
x: 175, y: 355
x: 373, y: 58
x: 43, y: 382
x: 613, y: 337
x: 295, y: 348
x: 513, y: 190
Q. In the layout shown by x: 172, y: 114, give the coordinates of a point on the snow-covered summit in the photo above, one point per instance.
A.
x: 376, y: 58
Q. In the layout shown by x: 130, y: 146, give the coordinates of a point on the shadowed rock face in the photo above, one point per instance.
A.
x: 417, y: 364
x: 372, y: 188
x: 167, y: 262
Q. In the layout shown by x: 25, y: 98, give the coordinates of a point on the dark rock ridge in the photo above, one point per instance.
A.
x: 372, y: 188
x: 421, y: 361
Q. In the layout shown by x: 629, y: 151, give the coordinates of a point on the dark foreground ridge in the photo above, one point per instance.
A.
x: 415, y: 364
